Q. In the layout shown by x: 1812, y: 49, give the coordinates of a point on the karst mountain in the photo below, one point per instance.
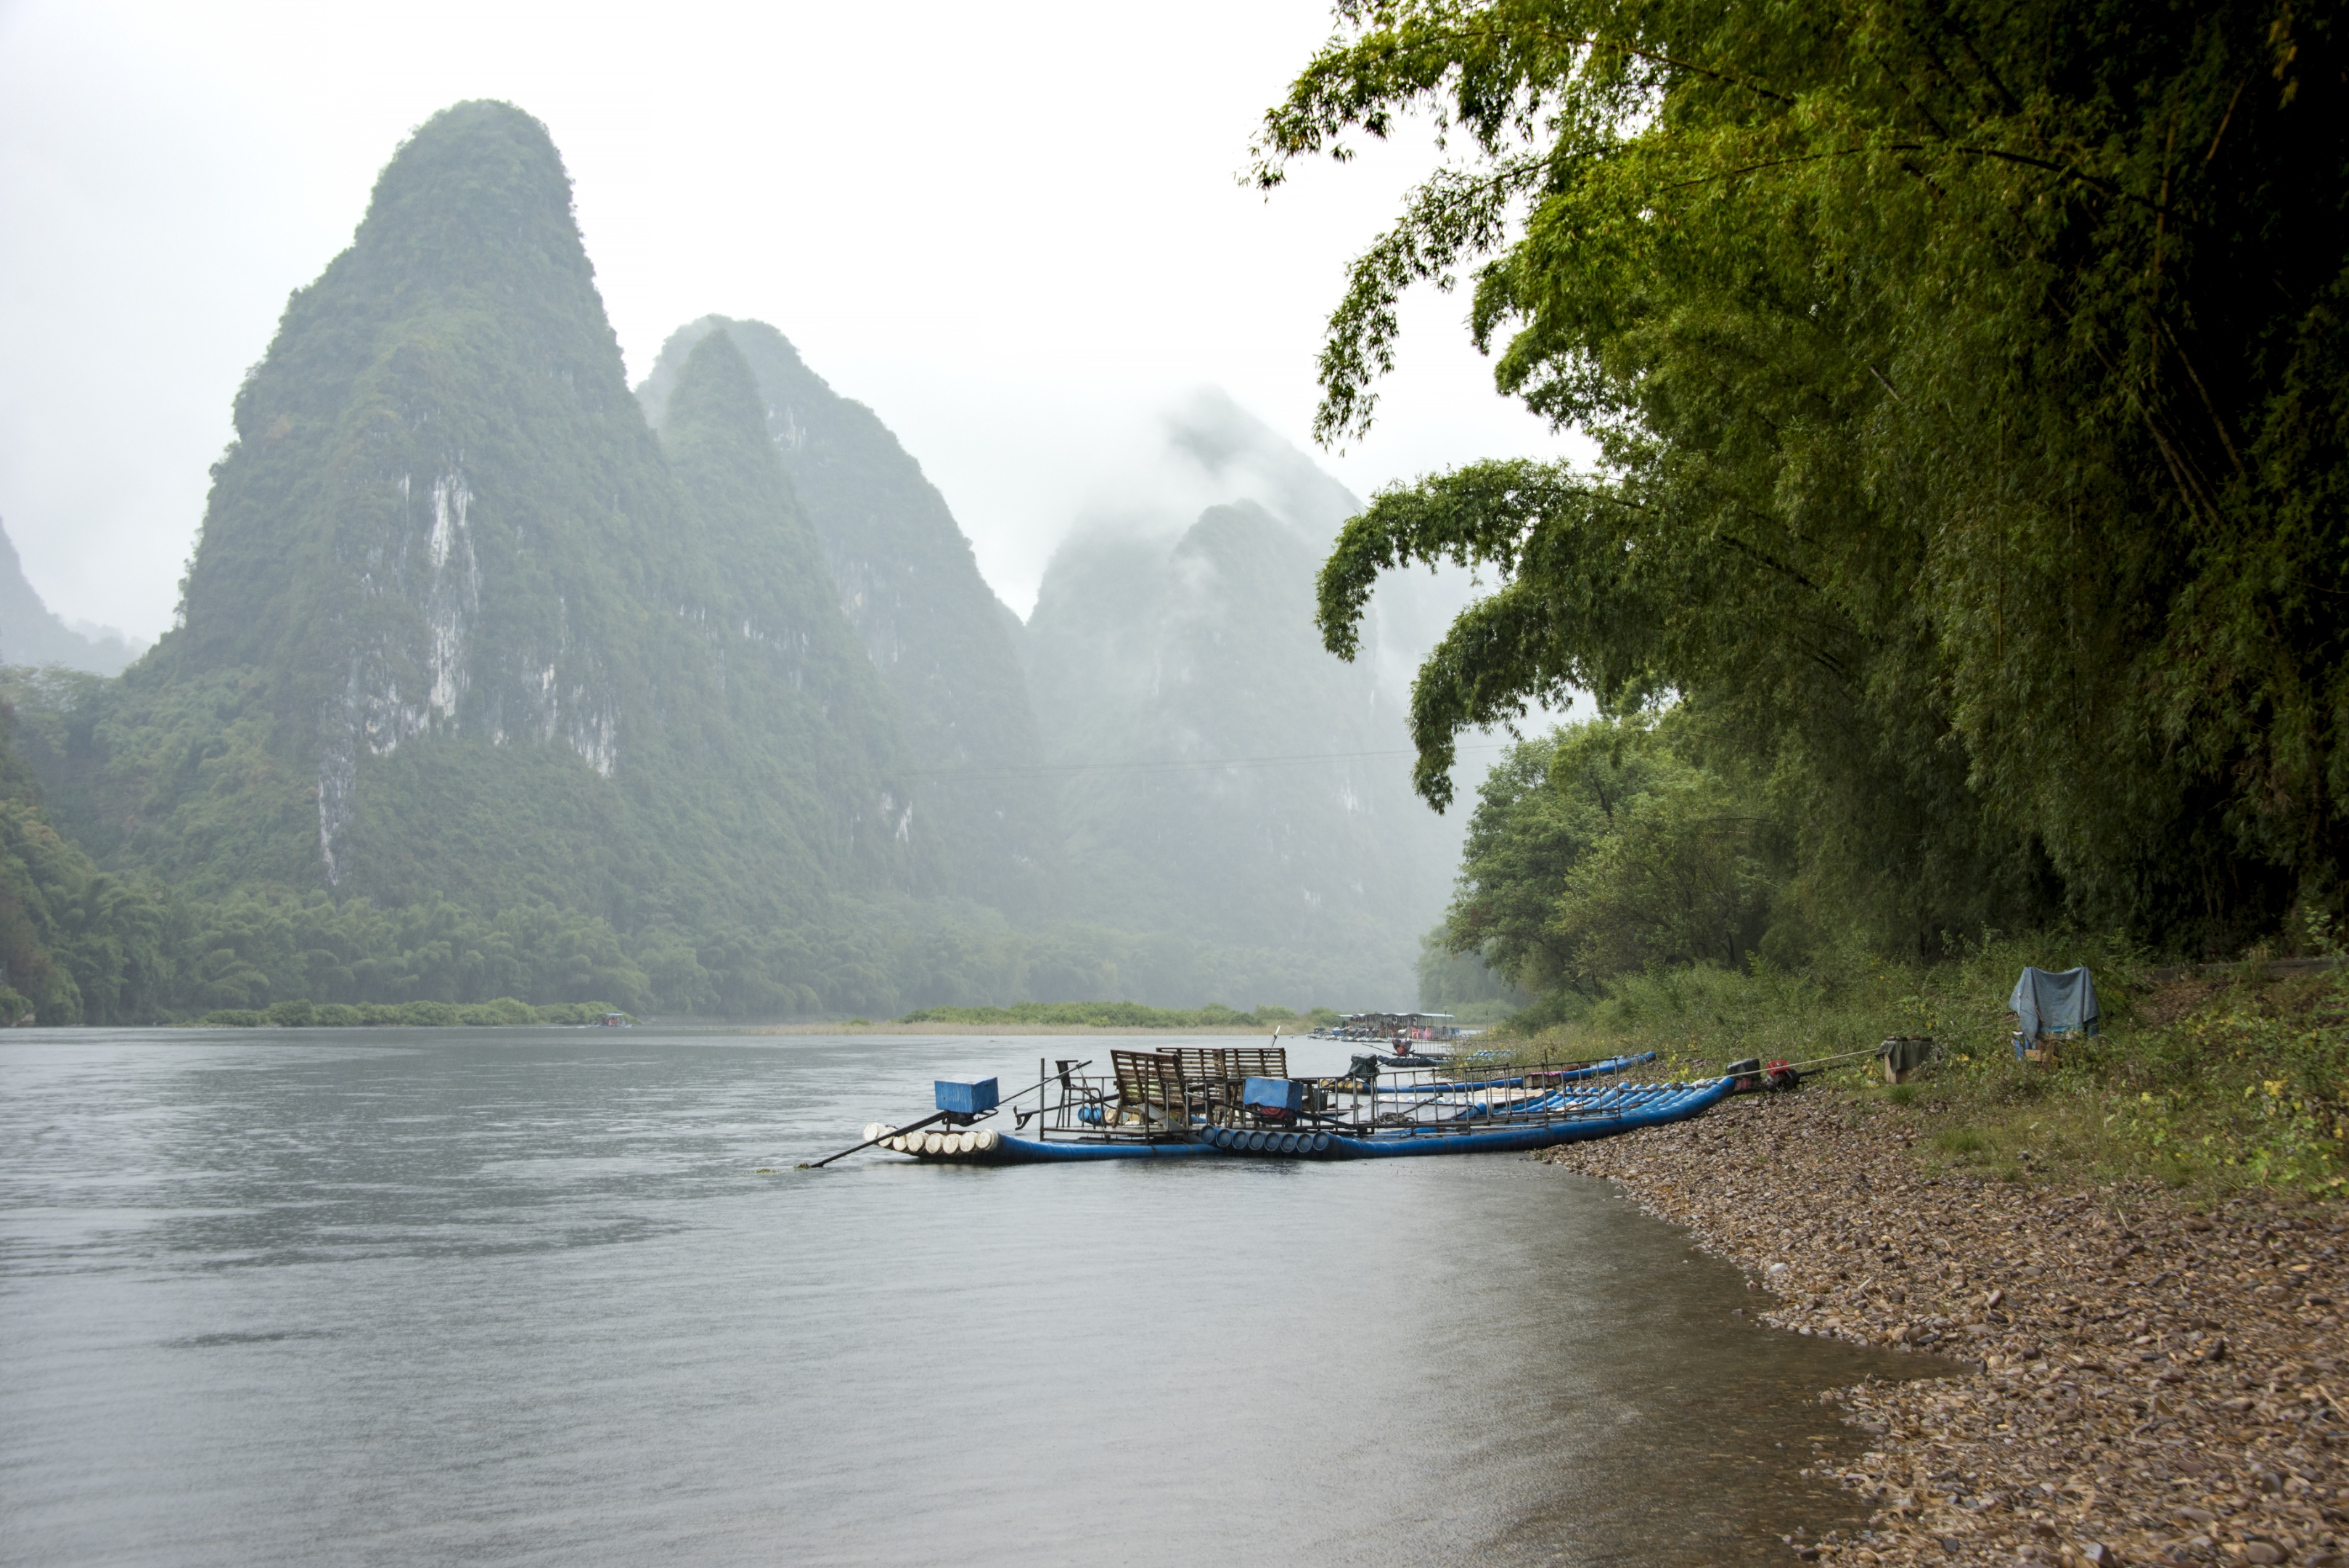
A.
x: 693, y: 694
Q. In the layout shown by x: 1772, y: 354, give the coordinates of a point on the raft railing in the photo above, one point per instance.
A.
x: 1176, y: 1096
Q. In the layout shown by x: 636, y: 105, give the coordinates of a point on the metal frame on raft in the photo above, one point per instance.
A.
x: 1239, y: 1102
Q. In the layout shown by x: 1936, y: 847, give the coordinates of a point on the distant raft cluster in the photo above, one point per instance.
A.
x: 937, y: 1145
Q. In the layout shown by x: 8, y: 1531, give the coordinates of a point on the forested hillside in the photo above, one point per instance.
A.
x: 910, y: 585
x: 484, y: 688
x: 456, y: 632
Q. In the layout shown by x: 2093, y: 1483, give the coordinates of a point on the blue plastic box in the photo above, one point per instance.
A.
x: 966, y: 1099
x: 1282, y: 1096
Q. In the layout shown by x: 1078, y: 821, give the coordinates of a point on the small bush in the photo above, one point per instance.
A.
x: 335, y: 1015
x: 1959, y: 1141
x: 505, y: 1012
x: 1901, y: 1094
x: 2019, y: 1087
x: 430, y: 1015
x: 235, y: 1018
x: 292, y: 1015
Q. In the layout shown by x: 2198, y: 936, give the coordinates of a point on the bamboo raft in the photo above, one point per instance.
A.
x: 1240, y: 1103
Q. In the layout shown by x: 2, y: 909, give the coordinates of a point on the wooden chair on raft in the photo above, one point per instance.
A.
x: 1216, y: 1074
x: 1153, y: 1093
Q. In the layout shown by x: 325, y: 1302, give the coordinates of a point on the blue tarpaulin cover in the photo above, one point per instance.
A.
x: 2049, y: 1002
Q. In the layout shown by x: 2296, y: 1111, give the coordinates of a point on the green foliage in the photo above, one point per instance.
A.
x: 1971, y: 387
x: 459, y: 630
x: 2215, y: 1082
x: 2255, y: 1084
x: 505, y: 1012
x: 1602, y: 851
x: 1463, y: 985
x: 87, y: 945
x: 907, y: 581
x: 1114, y: 1015
x: 483, y: 688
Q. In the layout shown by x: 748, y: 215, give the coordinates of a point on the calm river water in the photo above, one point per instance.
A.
x: 518, y: 1296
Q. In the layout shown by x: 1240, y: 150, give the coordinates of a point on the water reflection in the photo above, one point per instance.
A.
x: 516, y: 1295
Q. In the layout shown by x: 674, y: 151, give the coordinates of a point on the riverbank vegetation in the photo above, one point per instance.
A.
x: 2213, y: 1079
x: 505, y: 1012
x: 1125, y: 1015
x: 81, y: 944
x: 1970, y: 387
x: 1964, y: 549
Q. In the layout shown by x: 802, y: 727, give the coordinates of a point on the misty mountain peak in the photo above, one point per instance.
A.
x: 475, y: 194
x: 716, y: 391
x: 474, y: 635
x: 1239, y: 457
x: 31, y: 633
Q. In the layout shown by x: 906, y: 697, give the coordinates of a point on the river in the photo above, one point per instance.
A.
x: 415, y: 1296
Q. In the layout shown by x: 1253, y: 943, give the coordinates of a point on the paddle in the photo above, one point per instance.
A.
x: 868, y: 1142
x: 1066, y: 1068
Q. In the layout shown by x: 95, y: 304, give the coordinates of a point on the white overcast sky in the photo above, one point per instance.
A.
x: 1013, y: 230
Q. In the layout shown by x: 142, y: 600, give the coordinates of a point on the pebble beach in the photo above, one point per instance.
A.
x: 2107, y: 1376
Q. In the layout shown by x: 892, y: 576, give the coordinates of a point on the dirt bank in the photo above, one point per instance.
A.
x: 2155, y: 1384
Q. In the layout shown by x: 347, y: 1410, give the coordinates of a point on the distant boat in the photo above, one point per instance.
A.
x: 1222, y: 1103
x: 1405, y: 1030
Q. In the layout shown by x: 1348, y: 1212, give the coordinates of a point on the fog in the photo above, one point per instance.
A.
x: 1015, y: 232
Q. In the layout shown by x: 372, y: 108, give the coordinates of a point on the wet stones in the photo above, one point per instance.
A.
x: 2142, y: 1384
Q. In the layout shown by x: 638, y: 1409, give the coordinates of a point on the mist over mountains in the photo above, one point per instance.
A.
x: 693, y: 694
x: 31, y: 633
x: 905, y: 578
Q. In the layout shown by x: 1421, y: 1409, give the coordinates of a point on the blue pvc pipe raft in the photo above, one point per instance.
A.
x: 1617, y: 1110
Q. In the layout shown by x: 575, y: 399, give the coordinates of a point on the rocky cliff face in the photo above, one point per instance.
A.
x: 453, y: 605
x: 942, y: 641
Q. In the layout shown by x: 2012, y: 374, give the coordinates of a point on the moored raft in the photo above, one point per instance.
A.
x: 1638, y: 1105
x: 1205, y: 1103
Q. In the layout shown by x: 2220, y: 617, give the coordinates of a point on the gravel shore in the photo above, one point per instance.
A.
x: 2133, y: 1381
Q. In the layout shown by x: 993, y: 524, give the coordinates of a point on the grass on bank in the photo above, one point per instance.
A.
x: 1125, y: 1015
x: 2217, y: 1081
x: 504, y: 1013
